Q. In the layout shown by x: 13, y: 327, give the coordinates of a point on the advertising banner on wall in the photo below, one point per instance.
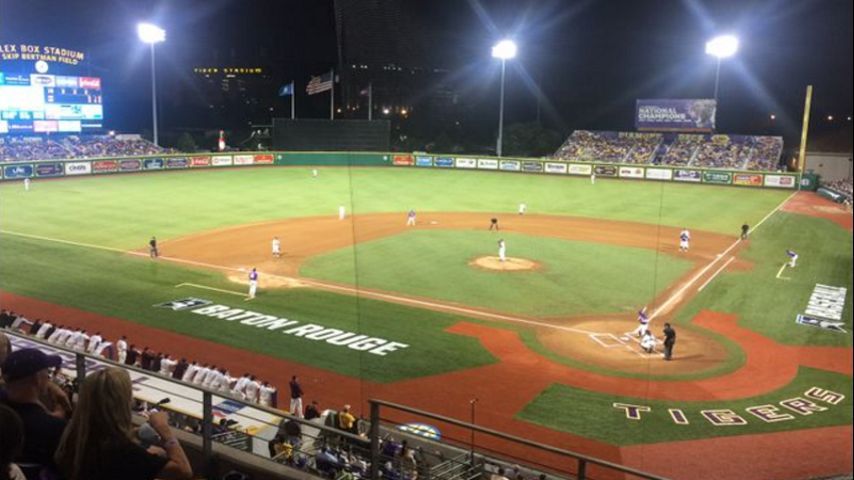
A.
x: 444, y: 162
x: 263, y: 159
x: 687, y: 175
x: 177, y: 162
x: 243, y: 159
x: 153, y: 164
x: 631, y: 172
x: 722, y: 178
x: 17, y: 171
x: 200, y: 161
x: 510, y: 165
x: 781, y: 181
x: 105, y: 166
x: 487, y: 164
x: 605, y: 170
x: 675, y: 115
x: 532, y: 166
x: 221, y: 161
x: 747, y: 179
x: 130, y: 165
x: 552, y: 167
x: 576, y: 169
x: 402, y: 160
x: 659, y: 173
x: 423, y: 161
x: 49, y: 169
x: 78, y: 168
x: 466, y: 162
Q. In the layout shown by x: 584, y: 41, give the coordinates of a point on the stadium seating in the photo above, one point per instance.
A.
x: 732, y: 152
x: 13, y: 149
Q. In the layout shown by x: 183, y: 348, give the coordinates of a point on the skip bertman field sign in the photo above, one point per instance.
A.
x: 307, y: 331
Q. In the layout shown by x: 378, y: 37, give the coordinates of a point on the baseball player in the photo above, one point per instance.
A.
x: 27, y: 184
x: 314, y: 172
x: 745, y: 229
x: 493, y: 224
x: 522, y: 208
x: 152, y: 248
x: 341, y: 212
x: 122, y: 349
x: 253, y: 282
x: 648, y: 342
x: 793, y: 258
x: 502, y: 250
x: 277, y: 247
x: 684, y: 240
x: 410, y: 218
x: 592, y: 177
x: 643, y: 323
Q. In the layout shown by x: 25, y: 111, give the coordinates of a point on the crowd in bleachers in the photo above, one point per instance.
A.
x: 842, y: 187
x: 733, y: 152
x: 13, y: 149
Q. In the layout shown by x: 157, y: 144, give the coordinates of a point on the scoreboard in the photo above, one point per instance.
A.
x: 40, y: 103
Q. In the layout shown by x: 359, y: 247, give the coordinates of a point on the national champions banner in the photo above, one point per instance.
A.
x: 675, y: 115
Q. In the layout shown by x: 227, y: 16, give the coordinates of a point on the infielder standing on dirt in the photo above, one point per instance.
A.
x: 253, y: 282
x: 277, y: 247
x: 502, y: 250
x: 342, y: 212
x: 684, y: 240
x: 522, y: 208
x: 410, y: 218
x: 643, y: 323
x: 493, y: 224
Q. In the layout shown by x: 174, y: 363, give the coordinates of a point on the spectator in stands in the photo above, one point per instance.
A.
x: 100, y: 443
x: 146, y: 358
x: 27, y: 375
x: 296, y: 397
x: 191, y: 371
x: 11, y: 443
x: 133, y: 355
x: 5, y: 350
x: 346, y: 420
x: 122, y: 349
x: 312, y: 411
x: 180, y: 369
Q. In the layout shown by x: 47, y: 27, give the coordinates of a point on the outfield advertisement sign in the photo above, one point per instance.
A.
x: 78, y: 168
x: 49, y: 169
x: 510, y: 165
x: 605, y: 170
x: 130, y: 165
x: 576, y: 169
x: 687, y: 175
x: 293, y: 328
x: 263, y: 159
x: 747, y: 179
x: 676, y: 115
x: 466, y: 162
x: 659, y: 173
x: 552, y: 167
x: 532, y: 166
x: 200, y: 161
x: 221, y: 161
x: 18, y: 171
x: 444, y: 162
x: 781, y: 181
x: 402, y: 160
x: 722, y: 178
x: 631, y: 172
x: 243, y: 159
x: 153, y: 164
x: 423, y: 161
x: 487, y: 164
x: 105, y: 166
x: 177, y: 162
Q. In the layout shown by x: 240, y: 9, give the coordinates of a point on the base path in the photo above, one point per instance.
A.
x: 814, y: 205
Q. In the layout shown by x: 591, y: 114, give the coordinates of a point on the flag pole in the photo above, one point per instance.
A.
x: 293, y: 100
x: 370, y: 101
x: 332, y: 97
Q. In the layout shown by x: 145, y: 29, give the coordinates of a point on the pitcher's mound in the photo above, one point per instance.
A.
x: 511, y: 264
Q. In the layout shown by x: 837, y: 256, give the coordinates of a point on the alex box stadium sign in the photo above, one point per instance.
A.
x: 294, y: 328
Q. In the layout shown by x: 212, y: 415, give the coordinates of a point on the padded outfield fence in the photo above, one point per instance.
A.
x: 661, y: 173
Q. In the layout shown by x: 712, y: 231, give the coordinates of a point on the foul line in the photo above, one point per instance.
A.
x: 232, y: 292
x: 719, y: 270
x: 678, y: 294
x: 67, y: 242
x: 780, y: 272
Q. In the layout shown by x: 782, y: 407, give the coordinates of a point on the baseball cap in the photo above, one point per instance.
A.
x: 26, y: 362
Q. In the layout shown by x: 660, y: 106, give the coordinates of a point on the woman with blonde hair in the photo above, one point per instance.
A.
x: 100, y: 442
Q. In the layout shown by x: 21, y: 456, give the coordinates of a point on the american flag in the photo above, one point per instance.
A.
x: 320, y: 84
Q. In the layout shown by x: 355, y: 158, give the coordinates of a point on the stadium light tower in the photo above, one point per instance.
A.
x: 721, y: 47
x: 152, y: 34
x: 504, y: 50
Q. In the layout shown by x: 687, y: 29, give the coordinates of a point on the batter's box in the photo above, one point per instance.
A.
x: 607, y: 340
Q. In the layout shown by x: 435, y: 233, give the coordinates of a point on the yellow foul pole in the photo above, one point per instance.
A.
x: 802, y: 155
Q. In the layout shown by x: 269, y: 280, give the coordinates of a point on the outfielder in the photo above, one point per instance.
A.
x: 26, y: 184
x: 502, y: 250
x: 410, y: 218
x: 253, y: 282
x: 277, y: 247
x: 643, y: 323
x: 684, y: 240
x: 314, y: 172
x: 592, y: 177
x: 793, y: 258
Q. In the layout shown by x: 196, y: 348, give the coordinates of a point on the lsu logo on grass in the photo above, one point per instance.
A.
x: 184, y: 303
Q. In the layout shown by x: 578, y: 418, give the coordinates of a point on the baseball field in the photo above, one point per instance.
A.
x: 368, y: 307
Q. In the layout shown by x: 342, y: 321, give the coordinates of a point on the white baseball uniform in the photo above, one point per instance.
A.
x: 684, y: 240
x: 522, y: 208
x: 27, y: 184
x: 122, y: 348
x: 341, y: 212
x: 502, y: 251
x: 648, y: 343
x: 277, y: 247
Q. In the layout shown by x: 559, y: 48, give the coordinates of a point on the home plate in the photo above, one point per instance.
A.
x: 625, y: 338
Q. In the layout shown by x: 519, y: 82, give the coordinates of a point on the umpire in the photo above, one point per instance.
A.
x: 669, y: 341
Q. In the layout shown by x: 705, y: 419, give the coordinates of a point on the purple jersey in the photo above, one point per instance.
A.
x: 253, y: 275
x: 791, y: 254
x: 642, y: 317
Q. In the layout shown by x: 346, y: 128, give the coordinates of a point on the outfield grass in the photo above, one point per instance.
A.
x: 593, y: 415
x: 128, y: 287
x: 576, y: 277
x: 123, y: 211
x: 769, y: 305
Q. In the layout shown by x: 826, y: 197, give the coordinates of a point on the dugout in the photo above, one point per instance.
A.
x: 331, y: 135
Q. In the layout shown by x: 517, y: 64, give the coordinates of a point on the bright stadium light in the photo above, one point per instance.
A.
x: 504, y: 50
x: 152, y: 34
x: 723, y: 46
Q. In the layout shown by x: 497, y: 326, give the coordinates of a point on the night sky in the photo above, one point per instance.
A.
x: 591, y: 59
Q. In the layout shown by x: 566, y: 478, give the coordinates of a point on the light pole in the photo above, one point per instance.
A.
x: 721, y: 47
x: 152, y: 34
x: 504, y: 50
